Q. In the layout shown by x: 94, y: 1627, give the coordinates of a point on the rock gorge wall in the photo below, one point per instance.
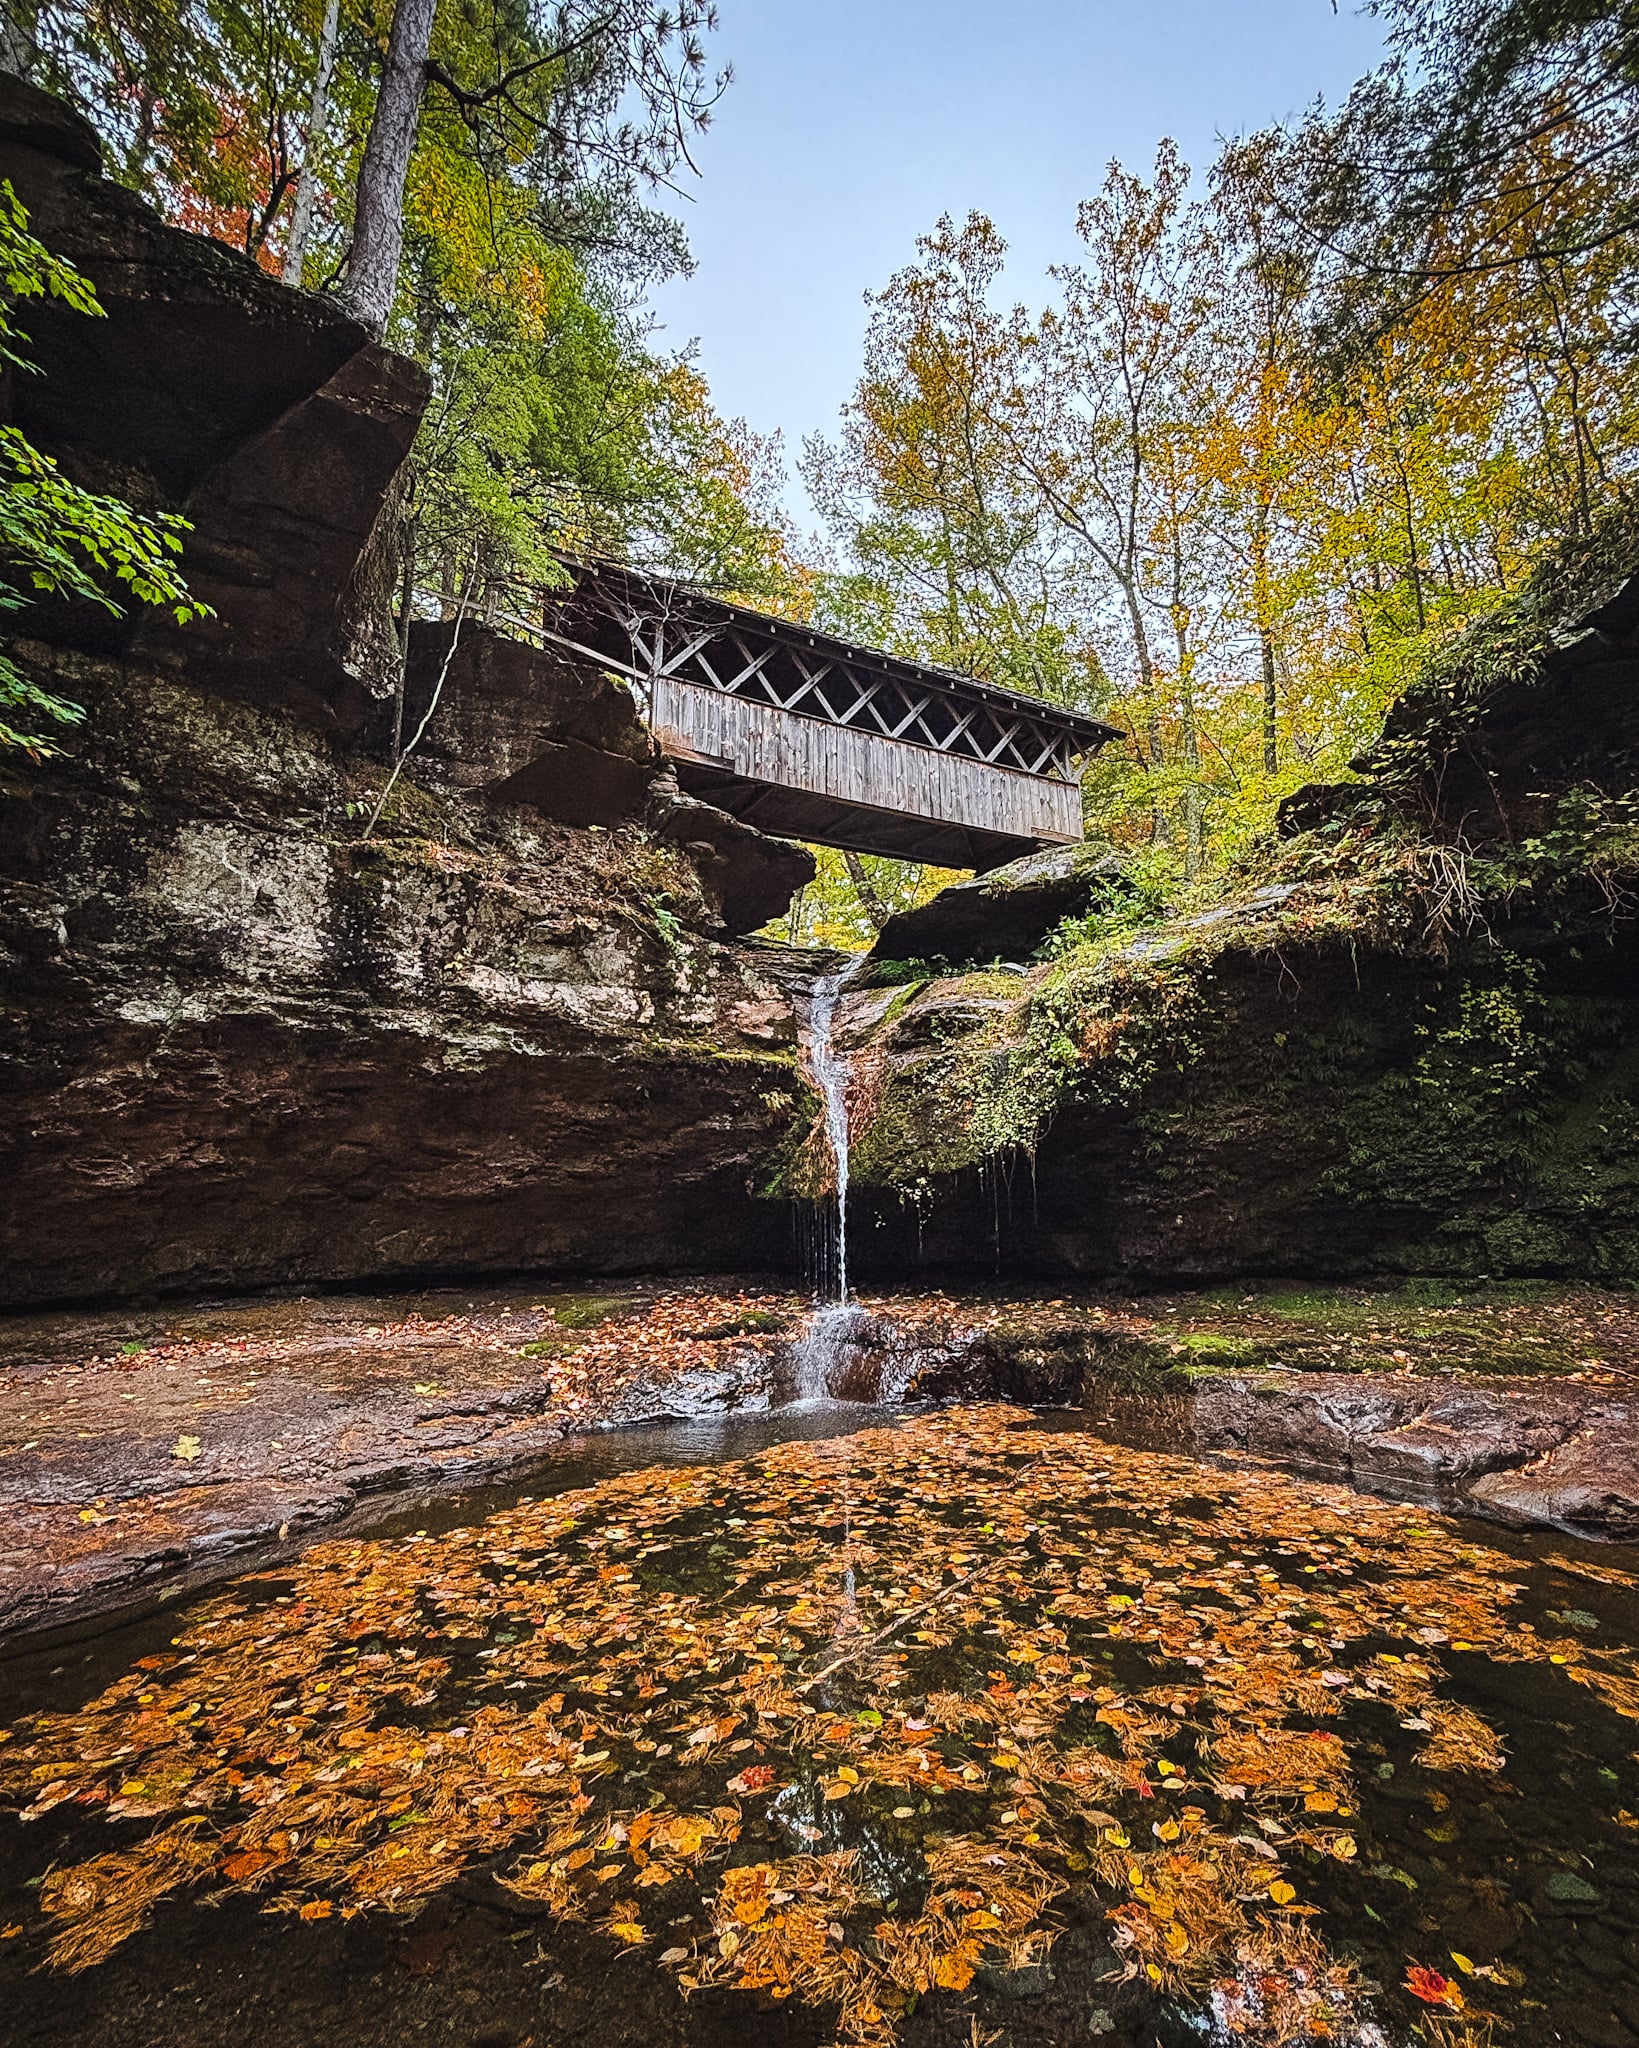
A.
x: 241, y: 1042
x: 1407, y: 1042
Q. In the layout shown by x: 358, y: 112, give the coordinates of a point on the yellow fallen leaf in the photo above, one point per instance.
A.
x: 1282, y: 1893
x: 1463, y: 1963
x: 186, y: 1448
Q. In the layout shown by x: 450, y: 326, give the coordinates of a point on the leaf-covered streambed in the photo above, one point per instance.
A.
x: 968, y: 1727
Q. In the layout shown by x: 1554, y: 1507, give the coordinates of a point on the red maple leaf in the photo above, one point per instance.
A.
x: 1431, y: 1987
x: 754, y: 1778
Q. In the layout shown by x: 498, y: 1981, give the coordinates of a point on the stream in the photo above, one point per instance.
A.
x: 833, y: 1719
x: 967, y: 1727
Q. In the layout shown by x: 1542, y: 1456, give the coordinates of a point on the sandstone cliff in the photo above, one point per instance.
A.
x: 244, y: 1043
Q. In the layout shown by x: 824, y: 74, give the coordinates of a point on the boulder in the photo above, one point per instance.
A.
x: 1588, y: 1484
x: 1533, y: 700
x: 267, y: 417
x: 502, y: 700
x: 525, y: 726
x: 750, y: 875
x: 1005, y: 914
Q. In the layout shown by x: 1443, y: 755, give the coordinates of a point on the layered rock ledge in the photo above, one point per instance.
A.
x: 142, y: 1451
x: 262, y: 1021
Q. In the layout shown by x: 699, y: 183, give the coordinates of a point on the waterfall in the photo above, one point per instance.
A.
x: 821, y: 1354
x: 830, y: 1071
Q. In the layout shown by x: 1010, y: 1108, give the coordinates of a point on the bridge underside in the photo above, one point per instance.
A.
x: 860, y: 828
x: 808, y: 778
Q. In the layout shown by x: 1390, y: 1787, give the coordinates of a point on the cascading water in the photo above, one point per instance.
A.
x: 830, y: 1071
x: 821, y: 1354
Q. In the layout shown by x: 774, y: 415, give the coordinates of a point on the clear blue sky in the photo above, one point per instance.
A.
x: 852, y: 125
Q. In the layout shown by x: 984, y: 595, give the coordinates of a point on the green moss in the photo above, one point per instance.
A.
x: 1213, y: 1344
x: 1303, y: 1307
x: 550, y: 1347
x: 755, y: 1322
x: 586, y: 1311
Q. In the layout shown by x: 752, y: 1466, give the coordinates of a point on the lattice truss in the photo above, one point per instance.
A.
x: 815, y: 682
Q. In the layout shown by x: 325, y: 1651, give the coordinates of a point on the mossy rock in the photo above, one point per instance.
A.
x: 586, y: 1311
x: 756, y: 1322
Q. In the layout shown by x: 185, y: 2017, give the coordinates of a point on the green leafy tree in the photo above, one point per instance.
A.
x: 473, y: 179
x: 1500, y: 136
x: 55, y: 538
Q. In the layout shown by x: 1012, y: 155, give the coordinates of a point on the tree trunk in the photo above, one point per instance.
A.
x: 19, y: 48
x: 368, y: 289
x: 318, y: 115
x: 406, y: 615
x: 1263, y: 608
x: 865, y: 889
x: 1194, y: 815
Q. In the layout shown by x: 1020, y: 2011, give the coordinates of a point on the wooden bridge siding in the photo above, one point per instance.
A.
x: 765, y: 744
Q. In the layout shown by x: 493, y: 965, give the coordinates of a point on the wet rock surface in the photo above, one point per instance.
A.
x: 138, y: 1446
x: 1560, y: 1456
x: 1435, y: 1409
x: 1559, y: 1449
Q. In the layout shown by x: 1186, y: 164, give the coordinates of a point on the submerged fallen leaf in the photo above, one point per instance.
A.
x: 1432, y: 1987
x: 337, y: 1723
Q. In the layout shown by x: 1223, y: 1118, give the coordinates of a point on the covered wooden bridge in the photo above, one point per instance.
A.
x: 809, y: 737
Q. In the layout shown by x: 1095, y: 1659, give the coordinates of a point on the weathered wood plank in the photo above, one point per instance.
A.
x: 851, y: 765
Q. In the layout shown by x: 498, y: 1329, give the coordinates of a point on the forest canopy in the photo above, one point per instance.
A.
x: 1285, y: 424
x: 1283, y: 427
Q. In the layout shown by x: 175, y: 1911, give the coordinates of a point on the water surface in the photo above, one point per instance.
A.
x: 954, y: 1727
